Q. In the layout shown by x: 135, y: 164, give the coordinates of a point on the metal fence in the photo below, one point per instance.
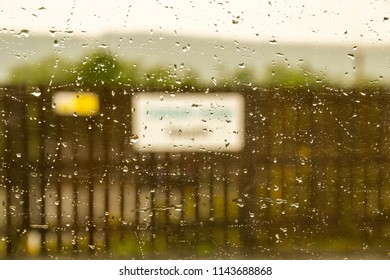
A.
x: 313, y: 177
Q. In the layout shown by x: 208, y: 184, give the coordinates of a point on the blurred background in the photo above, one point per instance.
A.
x: 310, y: 180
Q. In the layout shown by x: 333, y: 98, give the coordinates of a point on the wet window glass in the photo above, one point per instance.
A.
x: 194, y: 129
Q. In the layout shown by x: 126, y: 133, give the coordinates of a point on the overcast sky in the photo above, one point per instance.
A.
x: 342, y: 21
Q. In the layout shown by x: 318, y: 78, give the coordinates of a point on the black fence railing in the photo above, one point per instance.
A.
x: 313, y: 177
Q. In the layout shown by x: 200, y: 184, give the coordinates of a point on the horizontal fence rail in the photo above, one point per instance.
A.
x: 313, y: 176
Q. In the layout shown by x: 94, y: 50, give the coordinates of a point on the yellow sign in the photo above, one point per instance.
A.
x: 75, y: 103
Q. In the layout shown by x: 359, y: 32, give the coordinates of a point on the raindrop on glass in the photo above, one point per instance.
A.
x: 273, y: 42
x: 134, y: 138
x: 36, y: 92
x: 24, y: 33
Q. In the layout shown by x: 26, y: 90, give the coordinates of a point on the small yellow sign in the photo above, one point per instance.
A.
x: 76, y: 103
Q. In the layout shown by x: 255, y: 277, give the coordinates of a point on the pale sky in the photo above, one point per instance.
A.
x: 341, y: 21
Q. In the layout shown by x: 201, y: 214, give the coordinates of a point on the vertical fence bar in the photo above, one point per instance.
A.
x: 58, y: 184
x: 225, y: 178
x: 121, y: 103
x: 106, y: 169
x: 7, y: 158
x: 382, y: 157
x: 339, y: 160
x: 268, y: 159
x: 42, y: 168
x: 23, y: 99
x: 90, y: 185
x: 152, y: 197
x: 211, y: 203
x: 76, y: 187
x: 121, y: 178
x: 300, y: 103
x: 283, y: 158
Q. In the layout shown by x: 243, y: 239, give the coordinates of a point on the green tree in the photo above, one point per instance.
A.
x: 284, y: 76
x: 159, y: 78
x: 99, y: 70
x: 51, y: 71
x: 238, y: 80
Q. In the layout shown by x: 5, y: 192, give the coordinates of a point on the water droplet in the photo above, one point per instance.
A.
x: 242, y: 65
x: 186, y: 48
x: 252, y: 215
x: 239, y: 202
x: 351, y: 56
x: 273, y: 42
x: 56, y: 43
x: 57, y: 202
x: 36, y: 92
x: 134, y: 138
x: 125, y: 169
x: 283, y: 229
x: 24, y: 33
x: 280, y: 201
x: 52, y: 33
x: 19, y: 155
x: 214, y: 80
x: 295, y: 205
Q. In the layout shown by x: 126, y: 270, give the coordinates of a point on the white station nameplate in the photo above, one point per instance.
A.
x: 188, y: 122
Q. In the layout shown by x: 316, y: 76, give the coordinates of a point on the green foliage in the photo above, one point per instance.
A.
x: 284, y: 76
x: 159, y: 78
x: 189, y: 81
x: 240, y: 79
x: 50, y: 71
x: 101, y: 69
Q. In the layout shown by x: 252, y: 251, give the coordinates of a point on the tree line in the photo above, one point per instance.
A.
x: 102, y: 69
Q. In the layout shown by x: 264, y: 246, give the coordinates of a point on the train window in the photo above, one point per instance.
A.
x: 194, y: 129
